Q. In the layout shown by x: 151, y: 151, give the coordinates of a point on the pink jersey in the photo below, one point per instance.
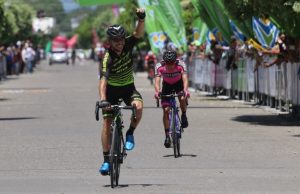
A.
x: 170, y: 76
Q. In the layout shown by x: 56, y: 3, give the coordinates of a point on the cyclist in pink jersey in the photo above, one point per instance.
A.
x: 173, y: 73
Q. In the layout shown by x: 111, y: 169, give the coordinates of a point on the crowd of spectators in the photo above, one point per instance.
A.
x: 236, y: 48
x: 21, y: 57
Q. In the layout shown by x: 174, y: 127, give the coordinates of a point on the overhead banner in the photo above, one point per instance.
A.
x: 265, y: 32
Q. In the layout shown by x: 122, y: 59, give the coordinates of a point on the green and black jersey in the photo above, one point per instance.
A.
x: 118, y: 70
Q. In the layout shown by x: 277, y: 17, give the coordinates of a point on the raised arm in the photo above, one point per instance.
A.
x: 139, y: 30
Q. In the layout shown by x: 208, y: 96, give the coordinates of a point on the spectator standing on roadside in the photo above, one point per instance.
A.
x: 17, y: 59
x: 214, y: 51
x: 280, y: 49
x: 28, y: 55
x: 73, y: 56
x: 99, y: 51
x: 231, y: 61
x: 2, y: 62
x: 9, y: 60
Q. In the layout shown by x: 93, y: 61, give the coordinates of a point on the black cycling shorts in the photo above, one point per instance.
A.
x: 169, y: 89
x: 126, y: 93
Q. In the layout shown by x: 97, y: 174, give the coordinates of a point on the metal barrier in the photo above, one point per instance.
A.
x: 276, y: 86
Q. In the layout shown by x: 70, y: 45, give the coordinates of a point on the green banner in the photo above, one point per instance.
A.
x: 99, y: 2
x: 201, y: 11
x: 153, y: 28
x: 199, y: 31
x: 215, y: 11
x: 48, y: 47
x: 169, y: 16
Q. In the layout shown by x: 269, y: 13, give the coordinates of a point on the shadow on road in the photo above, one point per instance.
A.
x: 8, y: 78
x: 17, y: 118
x: 182, y: 155
x: 220, y: 107
x: 3, y: 99
x: 204, y: 107
x: 133, y: 185
x: 268, y: 120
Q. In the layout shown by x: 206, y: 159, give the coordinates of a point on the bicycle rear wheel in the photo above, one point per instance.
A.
x: 114, y: 158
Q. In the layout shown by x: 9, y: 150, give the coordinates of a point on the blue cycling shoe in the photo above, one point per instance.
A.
x: 129, y: 145
x: 104, y: 169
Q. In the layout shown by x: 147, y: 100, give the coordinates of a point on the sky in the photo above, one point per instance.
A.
x: 69, y: 5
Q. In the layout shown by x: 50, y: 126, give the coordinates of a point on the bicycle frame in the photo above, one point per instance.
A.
x: 174, y: 112
x: 175, y: 128
x: 175, y: 123
x: 117, y: 149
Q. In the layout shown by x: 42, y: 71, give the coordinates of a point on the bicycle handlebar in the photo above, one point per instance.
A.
x: 116, y: 106
x: 173, y: 95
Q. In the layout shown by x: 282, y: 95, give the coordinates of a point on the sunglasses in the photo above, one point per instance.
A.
x: 117, y: 39
x: 170, y: 63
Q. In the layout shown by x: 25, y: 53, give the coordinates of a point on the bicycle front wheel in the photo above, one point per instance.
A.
x: 175, y: 139
x: 114, y: 158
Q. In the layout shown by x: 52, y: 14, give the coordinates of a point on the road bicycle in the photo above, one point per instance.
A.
x: 175, y: 122
x: 117, y: 149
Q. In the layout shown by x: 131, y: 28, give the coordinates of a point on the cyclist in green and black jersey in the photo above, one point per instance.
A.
x: 116, y: 82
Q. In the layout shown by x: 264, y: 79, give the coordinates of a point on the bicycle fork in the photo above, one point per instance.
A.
x: 122, y: 155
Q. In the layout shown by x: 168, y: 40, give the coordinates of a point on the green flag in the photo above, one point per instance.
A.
x: 169, y: 16
x: 155, y: 34
x: 48, y: 47
x: 199, y: 31
x: 201, y: 11
x: 215, y: 11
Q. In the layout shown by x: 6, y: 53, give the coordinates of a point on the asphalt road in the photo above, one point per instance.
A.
x: 50, y: 141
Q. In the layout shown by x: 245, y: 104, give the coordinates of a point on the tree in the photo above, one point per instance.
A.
x: 97, y: 20
x: 128, y: 18
x: 15, y: 21
x: 189, y: 14
x: 282, y: 12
